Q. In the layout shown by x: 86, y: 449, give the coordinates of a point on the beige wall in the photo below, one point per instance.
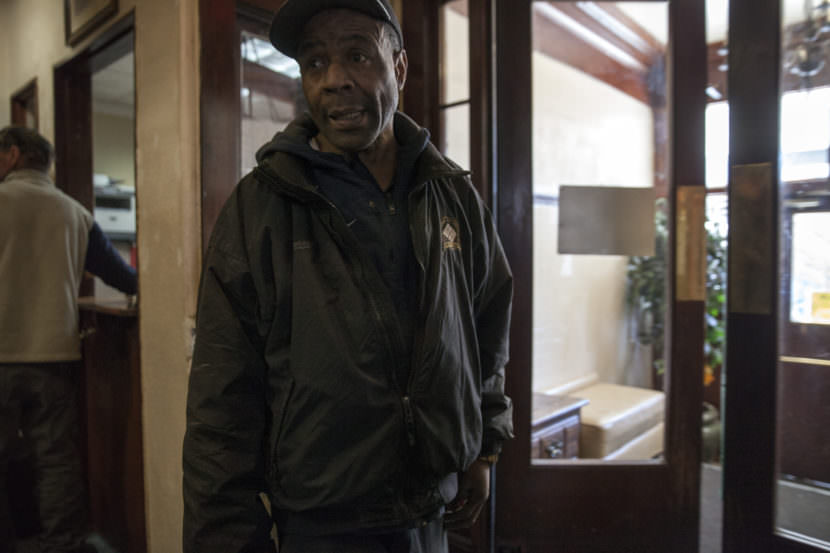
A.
x: 32, y: 43
x: 167, y: 163
x: 113, y: 147
x: 585, y: 132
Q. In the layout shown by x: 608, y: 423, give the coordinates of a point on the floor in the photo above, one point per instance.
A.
x: 711, y: 509
x: 28, y: 546
x: 802, y: 510
x: 806, y: 511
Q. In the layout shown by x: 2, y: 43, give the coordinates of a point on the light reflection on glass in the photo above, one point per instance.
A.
x: 270, y: 96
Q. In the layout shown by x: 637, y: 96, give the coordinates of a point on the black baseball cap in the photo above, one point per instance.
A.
x: 289, y: 23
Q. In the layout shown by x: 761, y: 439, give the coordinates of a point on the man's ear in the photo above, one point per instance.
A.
x: 401, y: 66
x: 15, y: 156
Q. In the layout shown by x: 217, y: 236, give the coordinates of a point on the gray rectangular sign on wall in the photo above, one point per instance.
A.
x: 606, y: 220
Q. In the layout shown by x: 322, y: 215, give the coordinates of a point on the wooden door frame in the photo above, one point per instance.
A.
x: 219, y: 98
x: 530, y: 497
x: 751, y: 350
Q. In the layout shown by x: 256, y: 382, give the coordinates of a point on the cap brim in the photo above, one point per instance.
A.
x: 289, y: 23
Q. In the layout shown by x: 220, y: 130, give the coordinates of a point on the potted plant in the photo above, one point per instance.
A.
x: 646, y: 293
x: 715, y: 318
x: 646, y: 300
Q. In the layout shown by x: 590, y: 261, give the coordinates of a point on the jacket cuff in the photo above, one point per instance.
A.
x: 490, y: 449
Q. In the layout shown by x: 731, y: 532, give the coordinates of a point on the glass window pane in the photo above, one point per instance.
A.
x: 456, y: 125
x: 717, y: 145
x: 598, y: 361
x: 805, y: 134
x: 455, y: 52
x: 271, y: 95
x: 802, y: 500
x: 810, y: 276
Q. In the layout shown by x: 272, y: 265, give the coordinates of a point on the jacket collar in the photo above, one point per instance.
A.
x: 30, y: 176
x: 290, y: 168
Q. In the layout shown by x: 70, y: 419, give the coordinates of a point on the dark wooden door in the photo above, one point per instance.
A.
x: 594, y: 505
x: 222, y: 26
x: 777, y: 357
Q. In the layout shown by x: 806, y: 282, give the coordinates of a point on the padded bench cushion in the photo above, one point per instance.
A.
x: 644, y: 446
x: 615, y: 415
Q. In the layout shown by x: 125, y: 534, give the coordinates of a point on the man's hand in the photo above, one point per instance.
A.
x: 473, y: 491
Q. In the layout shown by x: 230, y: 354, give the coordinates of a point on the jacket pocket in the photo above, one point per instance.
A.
x: 279, y: 409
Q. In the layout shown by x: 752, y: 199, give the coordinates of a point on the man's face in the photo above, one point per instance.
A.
x: 351, y: 79
x: 8, y: 160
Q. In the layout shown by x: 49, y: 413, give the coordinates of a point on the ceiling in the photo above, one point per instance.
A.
x: 113, y: 88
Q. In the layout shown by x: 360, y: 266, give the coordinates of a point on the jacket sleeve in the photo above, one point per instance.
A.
x: 493, y: 303
x: 223, y: 453
x: 105, y: 262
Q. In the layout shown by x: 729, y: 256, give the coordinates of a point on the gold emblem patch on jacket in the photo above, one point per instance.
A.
x: 450, y: 233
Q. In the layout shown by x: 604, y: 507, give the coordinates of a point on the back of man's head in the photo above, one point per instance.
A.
x: 35, y: 151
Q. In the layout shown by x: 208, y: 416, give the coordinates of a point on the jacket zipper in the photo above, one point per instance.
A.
x: 409, y: 420
x: 409, y: 417
x: 418, y: 254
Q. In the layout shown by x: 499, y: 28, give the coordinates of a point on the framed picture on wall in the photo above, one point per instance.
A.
x: 83, y: 16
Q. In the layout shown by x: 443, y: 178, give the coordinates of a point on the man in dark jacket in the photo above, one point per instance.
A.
x: 354, y: 310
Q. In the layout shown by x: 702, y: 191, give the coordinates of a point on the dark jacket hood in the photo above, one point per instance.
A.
x: 293, y: 141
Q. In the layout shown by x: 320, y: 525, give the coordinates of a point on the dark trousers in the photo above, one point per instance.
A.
x: 38, y: 411
x: 431, y: 538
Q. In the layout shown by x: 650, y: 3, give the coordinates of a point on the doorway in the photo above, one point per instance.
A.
x: 95, y: 164
x: 588, y: 155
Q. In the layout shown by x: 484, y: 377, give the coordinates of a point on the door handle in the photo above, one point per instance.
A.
x: 556, y: 450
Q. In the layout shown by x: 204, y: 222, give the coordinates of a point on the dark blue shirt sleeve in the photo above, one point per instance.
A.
x: 105, y: 262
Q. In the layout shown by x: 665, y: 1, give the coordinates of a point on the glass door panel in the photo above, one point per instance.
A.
x: 454, y: 71
x: 271, y: 95
x: 600, y: 230
x: 454, y: 78
x: 802, y: 491
x: 714, y: 347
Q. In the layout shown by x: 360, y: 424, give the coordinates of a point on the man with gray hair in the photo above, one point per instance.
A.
x: 353, y: 319
x: 47, y: 240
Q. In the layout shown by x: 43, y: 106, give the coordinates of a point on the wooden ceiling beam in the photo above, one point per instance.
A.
x: 569, y: 41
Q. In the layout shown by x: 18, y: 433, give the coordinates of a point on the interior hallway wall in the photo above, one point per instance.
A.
x: 113, y: 147
x: 32, y: 43
x: 603, y: 137
x: 167, y: 166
